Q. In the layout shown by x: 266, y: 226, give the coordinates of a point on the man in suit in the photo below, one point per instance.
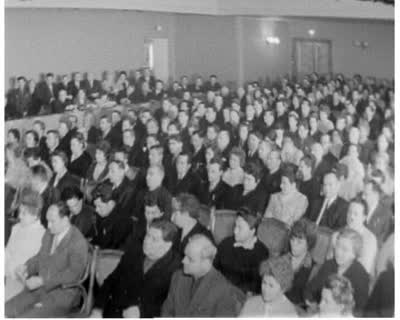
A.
x: 74, y: 85
x: 92, y: 86
x: 41, y: 184
x: 380, y: 217
x: 199, y: 290
x: 140, y: 283
x: 113, y: 137
x: 186, y: 215
x: 330, y: 210
x: 61, y: 260
x: 47, y: 90
x: 183, y: 179
x: 216, y: 193
x: 323, y: 163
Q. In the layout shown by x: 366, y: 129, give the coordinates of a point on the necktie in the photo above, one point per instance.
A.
x: 322, y: 211
x: 54, y: 245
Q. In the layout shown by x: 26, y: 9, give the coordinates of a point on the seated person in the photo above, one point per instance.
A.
x: 234, y: 174
x: 337, y: 300
x: 302, y: 240
x: 62, y: 178
x: 330, y: 210
x: 140, y: 283
x: 345, y: 263
x: 239, y: 256
x: 80, y: 158
x: 33, y: 158
x: 183, y: 179
x: 135, y: 175
x: 112, y: 227
x: 356, y: 217
x: 98, y: 170
x: 199, y: 290
x: 288, y: 205
x: 250, y: 194
x: 83, y: 216
x: 61, y: 260
x: 122, y: 189
x: 216, y: 192
x: 21, y: 247
x: 186, y: 214
x: 277, y: 276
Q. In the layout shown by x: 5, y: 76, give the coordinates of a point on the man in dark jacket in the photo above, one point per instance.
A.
x: 139, y: 285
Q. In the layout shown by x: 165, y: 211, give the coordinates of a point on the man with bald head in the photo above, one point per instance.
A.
x: 330, y: 210
x: 199, y: 290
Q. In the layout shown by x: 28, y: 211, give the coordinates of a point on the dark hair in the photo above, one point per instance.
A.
x: 15, y: 133
x: 80, y: 137
x: 35, y: 135
x: 152, y: 199
x: 32, y: 153
x: 253, y: 219
x: 168, y: 229
x: 70, y: 193
x: 304, y: 229
x: 55, y: 132
x: 41, y: 172
x: 103, y: 191
x: 63, y: 210
x: 309, y: 161
x: 238, y: 152
x: 62, y: 155
x: 40, y: 123
x: 188, y: 203
x: 186, y: 154
x: 289, y: 171
x: 119, y: 164
x: 254, y: 169
x: 105, y: 147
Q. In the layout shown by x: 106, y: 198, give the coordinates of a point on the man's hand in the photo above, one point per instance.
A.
x: 34, y: 282
x: 21, y: 272
x: 131, y: 312
x: 96, y: 313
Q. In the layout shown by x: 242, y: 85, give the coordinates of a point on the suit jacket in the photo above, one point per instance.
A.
x: 72, y: 88
x: 190, y: 183
x: 85, y: 221
x: 180, y: 244
x: 256, y: 200
x: 213, y: 297
x: 68, y: 180
x: 80, y: 165
x: 380, y: 222
x: 91, y: 89
x: 334, y: 217
x: 129, y: 285
x: 66, y: 265
x: 220, y: 197
x: 44, y: 94
x: 124, y: 196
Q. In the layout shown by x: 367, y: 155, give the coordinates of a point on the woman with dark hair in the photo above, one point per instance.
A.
x: 234, y: 174
x: 240, y: 255
x: 302, y: 240
x: 288, y: 205
x: 80, y: 159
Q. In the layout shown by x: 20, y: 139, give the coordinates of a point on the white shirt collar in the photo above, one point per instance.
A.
x: 249, y: 245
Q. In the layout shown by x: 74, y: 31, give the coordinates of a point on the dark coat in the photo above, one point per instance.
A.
x: 112, y: 232
x: 85, y: 221
x: 124, y: 196
x: 198, y: 228
x: 213, y: 297
x: 255, y: 200
x: 68, y: 180
x: 190, y: 183
x: 241, y: 266
x: 380, y: 222
x: 128, y: 285
x: 334, y: 217
x: 50, y: 195
x: 355, y: 273
x: 220, y: 197
x: 80, y: 165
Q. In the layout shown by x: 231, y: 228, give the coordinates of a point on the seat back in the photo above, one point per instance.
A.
x: 222, y: 222
x: 274, y: 234
x: 322, y: 244
x: 107, y: 261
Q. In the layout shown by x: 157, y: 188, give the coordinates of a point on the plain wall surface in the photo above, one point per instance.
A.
x: 65, y: 40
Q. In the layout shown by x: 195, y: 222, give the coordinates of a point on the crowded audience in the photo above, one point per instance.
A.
x: 136, y: 166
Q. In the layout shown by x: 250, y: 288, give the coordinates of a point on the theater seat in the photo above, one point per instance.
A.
x: 274, y: 234
x: 222, y: 222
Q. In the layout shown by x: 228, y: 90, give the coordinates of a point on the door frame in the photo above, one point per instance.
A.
x: 294, y: 40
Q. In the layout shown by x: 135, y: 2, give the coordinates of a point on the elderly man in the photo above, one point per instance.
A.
x: 61, y: 260
x: 199, y: 290
x: 139, y: 284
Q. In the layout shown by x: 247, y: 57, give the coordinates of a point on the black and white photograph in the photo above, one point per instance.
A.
x: 199, y: 158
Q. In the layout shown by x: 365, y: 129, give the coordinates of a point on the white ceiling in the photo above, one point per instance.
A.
x: 298, y: 8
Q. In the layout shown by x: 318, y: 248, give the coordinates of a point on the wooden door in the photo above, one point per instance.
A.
x: 311, y: 56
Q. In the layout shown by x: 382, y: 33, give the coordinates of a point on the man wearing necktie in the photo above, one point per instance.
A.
x: 62, y: 259
x: 331, y: 210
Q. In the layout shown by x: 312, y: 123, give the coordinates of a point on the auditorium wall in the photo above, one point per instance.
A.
x: 232, y: 47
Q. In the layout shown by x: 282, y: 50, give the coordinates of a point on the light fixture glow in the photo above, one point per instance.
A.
x: 311, y: 32
x: 273, y: 40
